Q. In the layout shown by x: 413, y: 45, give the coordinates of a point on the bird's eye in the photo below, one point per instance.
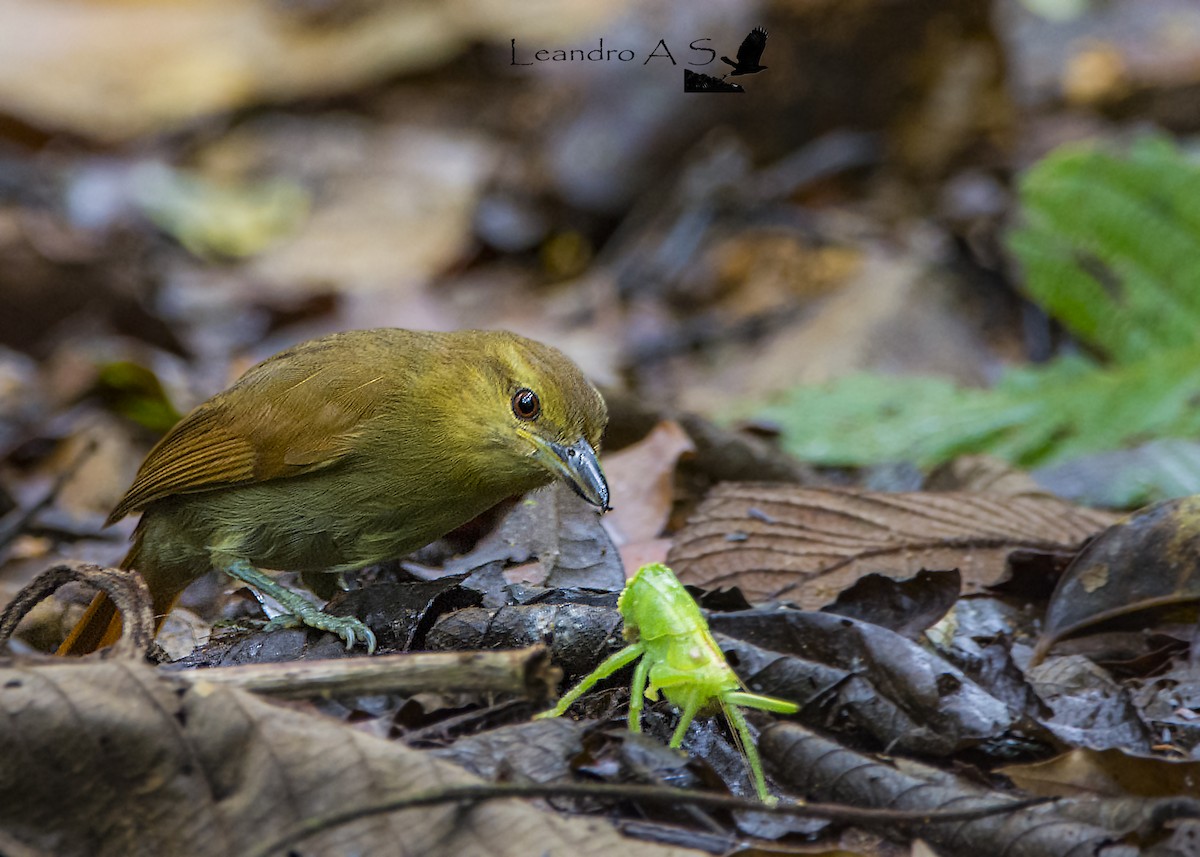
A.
x: 526, y: 405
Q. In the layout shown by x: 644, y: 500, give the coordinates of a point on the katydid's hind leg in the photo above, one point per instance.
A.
x: 637, y: 698
x: 738, y: 721
x: 609, y: 666
x: 690, y: 709
x: 762, y: 703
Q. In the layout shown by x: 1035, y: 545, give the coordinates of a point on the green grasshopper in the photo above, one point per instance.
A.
x: 664, y: 624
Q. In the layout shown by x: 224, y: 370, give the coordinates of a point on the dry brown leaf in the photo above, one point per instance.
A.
x: 561, y: 530
x: 983, y: 474
x: 642, y: 484
x: 117, y: 758
x: 816, y: 766
x: 1147, y: 560
x: 809, y: 544
x: 1107, y: 772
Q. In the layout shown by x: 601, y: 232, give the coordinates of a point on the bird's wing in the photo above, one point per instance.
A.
x: 276, y: 422
x: 752, y: 47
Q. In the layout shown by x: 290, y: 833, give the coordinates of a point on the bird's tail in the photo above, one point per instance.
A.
x: 101, y: 623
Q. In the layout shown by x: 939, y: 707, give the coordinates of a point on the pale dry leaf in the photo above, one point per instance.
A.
x: 1113, y: 773
x: 983, y: 474
x: 416, y: 185
x: 641, y: 481
x: 115, y: 758
x: 808, y: 544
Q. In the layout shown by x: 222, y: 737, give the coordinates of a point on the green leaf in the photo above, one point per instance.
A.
x: 1109, y: 245
x: 1033, y: 417
x: 135, y: 393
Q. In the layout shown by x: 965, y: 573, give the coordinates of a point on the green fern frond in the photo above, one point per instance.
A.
x: 1109, y: 245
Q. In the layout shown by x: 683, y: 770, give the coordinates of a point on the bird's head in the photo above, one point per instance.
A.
x: 536, y: 414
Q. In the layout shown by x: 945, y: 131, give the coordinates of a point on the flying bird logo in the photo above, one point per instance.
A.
x: 749, y: 54
x: 748, y: 61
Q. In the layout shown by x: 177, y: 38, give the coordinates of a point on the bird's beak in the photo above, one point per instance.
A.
x: 578, y: 466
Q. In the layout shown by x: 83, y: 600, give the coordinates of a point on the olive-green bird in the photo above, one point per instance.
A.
x: 349, y: 450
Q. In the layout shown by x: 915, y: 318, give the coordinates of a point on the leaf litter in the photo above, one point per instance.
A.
x: 757, y: 258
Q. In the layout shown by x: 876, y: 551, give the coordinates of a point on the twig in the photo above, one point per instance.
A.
x: 647, y: 794
x: 126, y: 589
x: 527, y: 672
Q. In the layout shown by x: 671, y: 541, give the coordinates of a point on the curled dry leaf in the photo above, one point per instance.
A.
x: 860, y: 678
x: 560, y: 532
x: 1150, y: 559
x: 126, y: 588
x: 825, y: 771
x: 809, y: 544
x: 1087, y: 706
x: 112, y: 758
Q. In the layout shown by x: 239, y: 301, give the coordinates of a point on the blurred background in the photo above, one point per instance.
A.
x: 929, y: 228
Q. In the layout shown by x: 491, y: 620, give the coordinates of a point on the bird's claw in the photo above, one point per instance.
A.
x: 351, y: 630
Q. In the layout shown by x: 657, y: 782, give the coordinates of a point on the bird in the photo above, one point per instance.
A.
x: 348, y: 450
x: 749, y: 54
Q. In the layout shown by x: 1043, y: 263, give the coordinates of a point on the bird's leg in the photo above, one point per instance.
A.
x: 303, y: 611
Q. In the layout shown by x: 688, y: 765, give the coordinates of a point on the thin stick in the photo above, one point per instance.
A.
x: 647, y: 794
x: 526, y: 672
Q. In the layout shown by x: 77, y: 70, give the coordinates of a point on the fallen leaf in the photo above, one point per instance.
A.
x: 1107, y: 772
x: 823, y: 770
x: 1148, y: 560
x: 561, y: 531
x: 809, y: 544
x: 139, y: 763
x: 641, y: 479
x: 908, y: 607
x: 1088, y: 708
x: 855, y: 677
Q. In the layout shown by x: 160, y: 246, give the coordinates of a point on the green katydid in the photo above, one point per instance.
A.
x: 666, y: 629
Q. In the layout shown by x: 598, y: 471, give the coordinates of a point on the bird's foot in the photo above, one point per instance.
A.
x: 301, y: 611
x: 351, y: 630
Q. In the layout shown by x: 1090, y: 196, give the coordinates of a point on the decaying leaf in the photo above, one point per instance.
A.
x: 579, y: 635
x: 824, y: 770
x: 807, y: 545
x: 642, y: 478
x: 1150, y: 559
x: 1088, y: 708
x: 861, y: 678
x: 1107, y: 772
x: 117, y: 759
x: 558, y: 530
